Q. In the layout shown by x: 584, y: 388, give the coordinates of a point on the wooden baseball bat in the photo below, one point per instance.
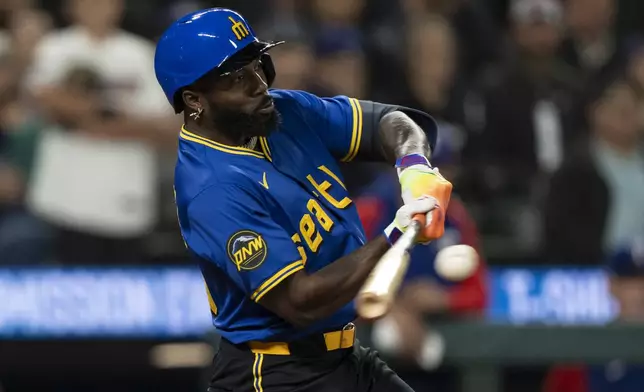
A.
x: 378, y: 293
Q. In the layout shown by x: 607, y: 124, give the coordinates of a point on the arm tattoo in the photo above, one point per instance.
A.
x: 399, y: 135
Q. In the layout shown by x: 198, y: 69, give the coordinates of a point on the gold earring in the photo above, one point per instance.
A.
x: 197, y: 114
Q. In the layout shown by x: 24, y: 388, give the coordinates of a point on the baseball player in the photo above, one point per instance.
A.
x: 265, y: 213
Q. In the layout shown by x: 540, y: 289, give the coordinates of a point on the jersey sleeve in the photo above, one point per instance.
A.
x: 230, y: 227
x: 348, y: 127
x: 342, y: 123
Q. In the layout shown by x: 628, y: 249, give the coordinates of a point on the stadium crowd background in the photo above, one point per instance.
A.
x: 540, y: 102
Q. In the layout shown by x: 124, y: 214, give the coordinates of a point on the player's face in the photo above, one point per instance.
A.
x: 238, y: 104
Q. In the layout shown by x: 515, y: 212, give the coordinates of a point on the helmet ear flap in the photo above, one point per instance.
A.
x: 268, y: 68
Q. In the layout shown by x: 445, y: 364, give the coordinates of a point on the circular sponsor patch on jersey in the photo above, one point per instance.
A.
x: 246, y: 249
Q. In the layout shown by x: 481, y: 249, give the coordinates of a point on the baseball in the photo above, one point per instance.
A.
x: 456, y: 262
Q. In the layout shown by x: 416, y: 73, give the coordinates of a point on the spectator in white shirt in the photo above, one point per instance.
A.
x: 96, y: 175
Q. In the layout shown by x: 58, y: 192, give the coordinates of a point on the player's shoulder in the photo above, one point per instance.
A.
x: 293, y: 101
x: 300, y: 99
x: 291, y: 96
x: 216, y: 179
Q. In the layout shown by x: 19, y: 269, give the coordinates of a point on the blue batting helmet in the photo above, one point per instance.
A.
x: 194, y: 45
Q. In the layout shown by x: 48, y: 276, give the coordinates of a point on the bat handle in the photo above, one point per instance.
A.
x: 421, y: 219
x: 415, y: 227
x: 377, y: 295
x: 409, y: 237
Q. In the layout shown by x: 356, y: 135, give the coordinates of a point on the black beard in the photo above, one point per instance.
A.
x: 242, y: 126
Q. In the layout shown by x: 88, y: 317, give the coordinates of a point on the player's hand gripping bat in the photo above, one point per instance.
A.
x: 378, y: 293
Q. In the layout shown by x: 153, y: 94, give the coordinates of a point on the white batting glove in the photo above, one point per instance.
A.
x: 404, y: 215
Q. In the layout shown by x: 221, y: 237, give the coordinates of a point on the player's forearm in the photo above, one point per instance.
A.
x: 399, y: 135
x: 306, y: 298
x: 334, y: 286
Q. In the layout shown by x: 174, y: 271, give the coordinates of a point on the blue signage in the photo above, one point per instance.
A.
x: 550, y: 296
x: 171, y: 302
x: 116, y: 302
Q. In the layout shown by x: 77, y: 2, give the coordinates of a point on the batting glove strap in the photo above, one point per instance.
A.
x: 404, y: 215
x: 392, y: 233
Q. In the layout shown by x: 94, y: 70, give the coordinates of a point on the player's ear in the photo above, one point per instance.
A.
x: 191, y: 100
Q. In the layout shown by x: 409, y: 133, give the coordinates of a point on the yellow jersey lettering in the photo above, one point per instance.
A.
x: 309, y: 229
x: 311, y: 236
x: 328, y: 172
x: 297, y: 240
x: 323, y: 218
x: 324, y: 187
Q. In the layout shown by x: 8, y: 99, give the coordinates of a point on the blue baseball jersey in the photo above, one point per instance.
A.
x: 253, y: 218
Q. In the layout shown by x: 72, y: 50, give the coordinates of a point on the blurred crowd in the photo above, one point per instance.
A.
x: 540, y: 102
x: 541, y: 106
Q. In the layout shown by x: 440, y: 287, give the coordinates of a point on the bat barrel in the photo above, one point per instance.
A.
x: 378, y: 293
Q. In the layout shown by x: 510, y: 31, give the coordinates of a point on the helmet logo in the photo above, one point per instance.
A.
x: 239, y: 28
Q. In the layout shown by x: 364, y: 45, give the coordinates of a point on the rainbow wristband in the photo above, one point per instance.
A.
x: 412, y: 159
